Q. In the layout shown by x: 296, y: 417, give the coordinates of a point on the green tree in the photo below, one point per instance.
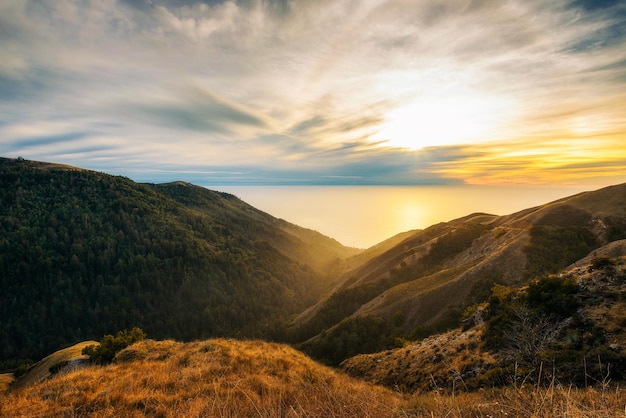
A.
x: 553, y: 295
x: 110, y: 345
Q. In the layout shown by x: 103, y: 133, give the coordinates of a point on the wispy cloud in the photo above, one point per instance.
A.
x: 373, y: 92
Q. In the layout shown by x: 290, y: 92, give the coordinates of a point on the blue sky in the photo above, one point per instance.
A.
x: 319, y: 92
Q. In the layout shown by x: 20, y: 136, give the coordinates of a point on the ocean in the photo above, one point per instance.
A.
x: 362, y: 216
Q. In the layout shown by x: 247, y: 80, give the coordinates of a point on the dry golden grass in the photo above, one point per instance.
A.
x: 215, y: 378
x: 529, y: 402
x: 451, y: 360
x: 5, y: 380
x: 41, y: 370
x: 226, y: 378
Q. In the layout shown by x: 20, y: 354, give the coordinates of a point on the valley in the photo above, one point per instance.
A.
x: 84, y: 254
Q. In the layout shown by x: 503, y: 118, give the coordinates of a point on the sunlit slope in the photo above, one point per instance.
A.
x: 364, y: 258
x: 231, y: 378
x: 423, y: 284
x: 212, y: 378
x: 42, y: 370
x: 6, y: 379
x: 511, y: 335
x: 84, y: 253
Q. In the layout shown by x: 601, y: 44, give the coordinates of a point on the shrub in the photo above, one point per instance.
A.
x: 528, y: 323
x: 553, y: 295
x: 21, y: 370
x: 110, y: 345
x: 600, y: 263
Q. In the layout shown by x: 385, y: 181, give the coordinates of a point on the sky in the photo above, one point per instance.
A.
x: 261, y: 92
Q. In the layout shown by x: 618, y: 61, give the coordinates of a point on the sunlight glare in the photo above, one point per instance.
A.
x: 441, y: 122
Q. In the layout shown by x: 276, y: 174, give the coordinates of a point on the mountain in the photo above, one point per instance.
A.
x: 84, y: 253
x: 423, y: 284
x: 568, y: 329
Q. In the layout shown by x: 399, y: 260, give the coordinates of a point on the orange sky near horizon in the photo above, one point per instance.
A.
x: 364, y: 216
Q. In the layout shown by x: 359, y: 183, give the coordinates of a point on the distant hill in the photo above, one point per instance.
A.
x: 84, y: 253
x: 423, y: 284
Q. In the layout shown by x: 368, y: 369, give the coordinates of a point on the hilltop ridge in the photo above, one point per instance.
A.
x: 214, y: 377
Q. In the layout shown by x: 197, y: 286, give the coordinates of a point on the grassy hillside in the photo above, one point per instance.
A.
x: 5, y: 381
x: 567, y: 330
x: 43, y: 369
x: 83, y: 254
x: 207, y: 378
x: 423, y: 284
x: 230, y: 378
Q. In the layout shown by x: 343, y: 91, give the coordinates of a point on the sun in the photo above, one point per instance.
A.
x: 440, y: 121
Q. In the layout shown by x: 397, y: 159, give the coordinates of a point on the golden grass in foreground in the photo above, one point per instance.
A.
x: 220, y: 378
x: 529, y: 402
x: 215, y: 378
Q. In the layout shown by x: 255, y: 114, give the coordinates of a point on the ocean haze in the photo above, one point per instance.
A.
x: 362, y: 216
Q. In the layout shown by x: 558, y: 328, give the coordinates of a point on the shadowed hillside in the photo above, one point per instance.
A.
x: 83, y: 254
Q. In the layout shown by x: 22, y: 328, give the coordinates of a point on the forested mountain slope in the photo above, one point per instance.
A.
x: 84, y: 253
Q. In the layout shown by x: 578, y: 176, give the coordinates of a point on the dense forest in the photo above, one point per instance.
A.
x: 84, y: 253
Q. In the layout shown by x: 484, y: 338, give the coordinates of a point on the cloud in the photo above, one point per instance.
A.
x: 542, y: 160
x: 305, y: 91
x: 198, y: 110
